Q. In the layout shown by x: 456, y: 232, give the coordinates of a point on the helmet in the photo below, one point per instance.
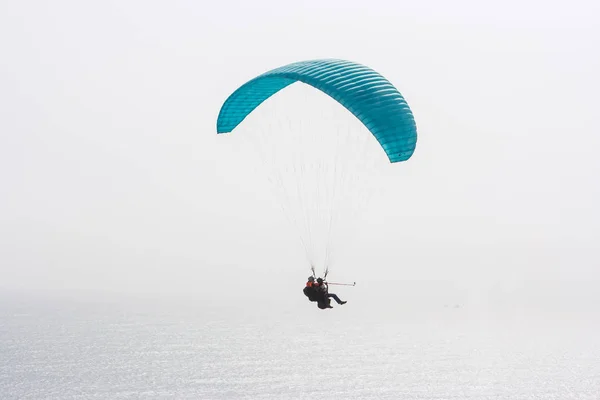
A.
x: 311, y: 278
x: 320, y: 280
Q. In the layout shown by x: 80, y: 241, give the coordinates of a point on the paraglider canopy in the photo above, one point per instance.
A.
x: 363, y: 91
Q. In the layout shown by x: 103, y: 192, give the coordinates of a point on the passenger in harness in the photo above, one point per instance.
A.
x: 324, y: 296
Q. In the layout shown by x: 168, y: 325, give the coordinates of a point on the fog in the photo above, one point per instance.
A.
x: 113, y: 179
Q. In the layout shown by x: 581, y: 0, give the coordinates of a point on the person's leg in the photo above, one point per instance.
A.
x: 334, y: 296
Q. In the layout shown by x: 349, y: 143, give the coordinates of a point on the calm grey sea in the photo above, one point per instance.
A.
x: 116, y: 348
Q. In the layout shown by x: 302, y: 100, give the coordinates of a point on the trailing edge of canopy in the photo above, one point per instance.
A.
x: 361, y: 90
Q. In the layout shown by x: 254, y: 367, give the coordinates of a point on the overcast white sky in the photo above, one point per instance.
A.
x: 113, y: 178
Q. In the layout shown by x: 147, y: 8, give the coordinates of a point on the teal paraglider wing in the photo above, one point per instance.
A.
x: 363, y: 91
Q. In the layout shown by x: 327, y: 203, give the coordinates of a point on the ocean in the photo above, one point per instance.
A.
x: 74, y: 347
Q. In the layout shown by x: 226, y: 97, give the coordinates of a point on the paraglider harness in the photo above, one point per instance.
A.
x: 311, y: 291
x: 314, y: 292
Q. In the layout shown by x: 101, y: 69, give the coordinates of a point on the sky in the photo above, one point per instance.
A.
x: 113, y: 178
